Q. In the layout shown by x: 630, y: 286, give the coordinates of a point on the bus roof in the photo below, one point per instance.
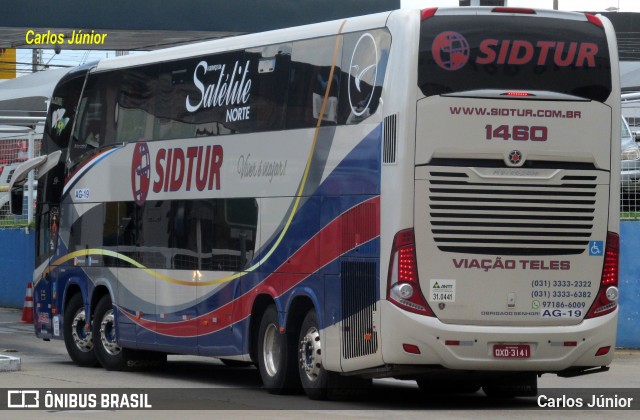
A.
x: 249, y: 41
x: 299, y: 32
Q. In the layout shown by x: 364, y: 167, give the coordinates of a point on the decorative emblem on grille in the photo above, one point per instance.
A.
x: 515, y: 158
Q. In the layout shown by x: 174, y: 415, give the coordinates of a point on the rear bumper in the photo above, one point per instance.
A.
x: 475, y: 349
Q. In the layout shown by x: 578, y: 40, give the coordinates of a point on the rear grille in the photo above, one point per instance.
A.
x: 504, y: 218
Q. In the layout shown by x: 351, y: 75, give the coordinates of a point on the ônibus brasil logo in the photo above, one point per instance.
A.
x: 140, y: 173
x: 450, y: 50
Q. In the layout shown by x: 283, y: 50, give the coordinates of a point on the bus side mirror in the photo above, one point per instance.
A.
x: 17, y: 196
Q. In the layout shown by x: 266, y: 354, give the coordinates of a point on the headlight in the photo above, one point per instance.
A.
x: 630, y: 153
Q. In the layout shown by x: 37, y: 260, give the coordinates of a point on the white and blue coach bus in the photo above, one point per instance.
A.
x: 428, y: 195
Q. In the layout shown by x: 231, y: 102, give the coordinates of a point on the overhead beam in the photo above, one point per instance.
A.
x: 133, y: 18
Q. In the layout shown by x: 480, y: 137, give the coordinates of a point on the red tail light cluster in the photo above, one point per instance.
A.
x: 520, y: 10
x: 427, y: 13
x: 607, y: 298
x: 517, y: 94
x: 403, y: 288
x: 594, y: 19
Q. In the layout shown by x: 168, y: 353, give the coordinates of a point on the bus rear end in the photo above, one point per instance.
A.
x: 512, y: 262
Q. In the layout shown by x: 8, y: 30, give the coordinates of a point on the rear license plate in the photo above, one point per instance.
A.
x: 511, y: 351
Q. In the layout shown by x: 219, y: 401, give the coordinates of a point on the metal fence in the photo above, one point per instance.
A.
x: 14, y: 151
x: 630, y: 170
x: 630, y: 206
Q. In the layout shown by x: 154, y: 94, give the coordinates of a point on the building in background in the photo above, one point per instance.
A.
x: 7, y: 63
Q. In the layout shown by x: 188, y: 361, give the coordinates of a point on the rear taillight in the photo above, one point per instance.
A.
x: 427, y: 13
x: 517, y: 94
x: 520, y: 10
x: 594, y: 19
x: 403, y: 286
x: 607, y: 299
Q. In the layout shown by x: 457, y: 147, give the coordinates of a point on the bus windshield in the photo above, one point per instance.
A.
x: 464, y: 53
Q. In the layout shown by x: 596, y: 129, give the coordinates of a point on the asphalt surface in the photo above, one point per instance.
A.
x: 214, y: 389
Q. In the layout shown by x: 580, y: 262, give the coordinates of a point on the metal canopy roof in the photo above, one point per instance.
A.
x: 153, y: 24
x: 23, y: 100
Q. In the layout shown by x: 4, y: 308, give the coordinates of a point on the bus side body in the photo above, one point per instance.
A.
x: 214, y: 214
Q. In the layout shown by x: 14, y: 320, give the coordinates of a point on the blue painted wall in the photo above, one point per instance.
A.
x: 629, y: 316
x: 17, y: 256
x: 17, y: 253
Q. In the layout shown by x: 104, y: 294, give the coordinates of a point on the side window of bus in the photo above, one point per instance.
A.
x: 86, y: 118
x: 269, y: 74
x: 62, y: 111
x: 364, y: 62
x: 191, y: 104
x: 309, y: 81
x: 217, y: 234
x: 96, y: 117
x: 136, y: 102
x: 210, y: 234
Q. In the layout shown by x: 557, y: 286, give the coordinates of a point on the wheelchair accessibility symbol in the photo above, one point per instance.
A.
x: 596, y: 248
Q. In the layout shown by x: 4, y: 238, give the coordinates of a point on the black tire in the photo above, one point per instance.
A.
x: 318, y: 383
x: 314, y: 378
x: 276, y: 355
x: 110, y: 355
x: 77, y: 336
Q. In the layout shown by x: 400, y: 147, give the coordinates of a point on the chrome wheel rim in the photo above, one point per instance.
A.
x: 271, y: 350
x: 108, y: 334
x: 311, y: 354
x: 81, y: 333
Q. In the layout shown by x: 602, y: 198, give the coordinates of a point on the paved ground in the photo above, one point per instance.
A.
x: 236, y: 392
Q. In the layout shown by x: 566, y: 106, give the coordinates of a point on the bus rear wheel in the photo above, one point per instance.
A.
x: 110, y: 355
x: 313, y: 376
x: 276, y: 355
x: 318, y: 383
x: 77, y: 333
